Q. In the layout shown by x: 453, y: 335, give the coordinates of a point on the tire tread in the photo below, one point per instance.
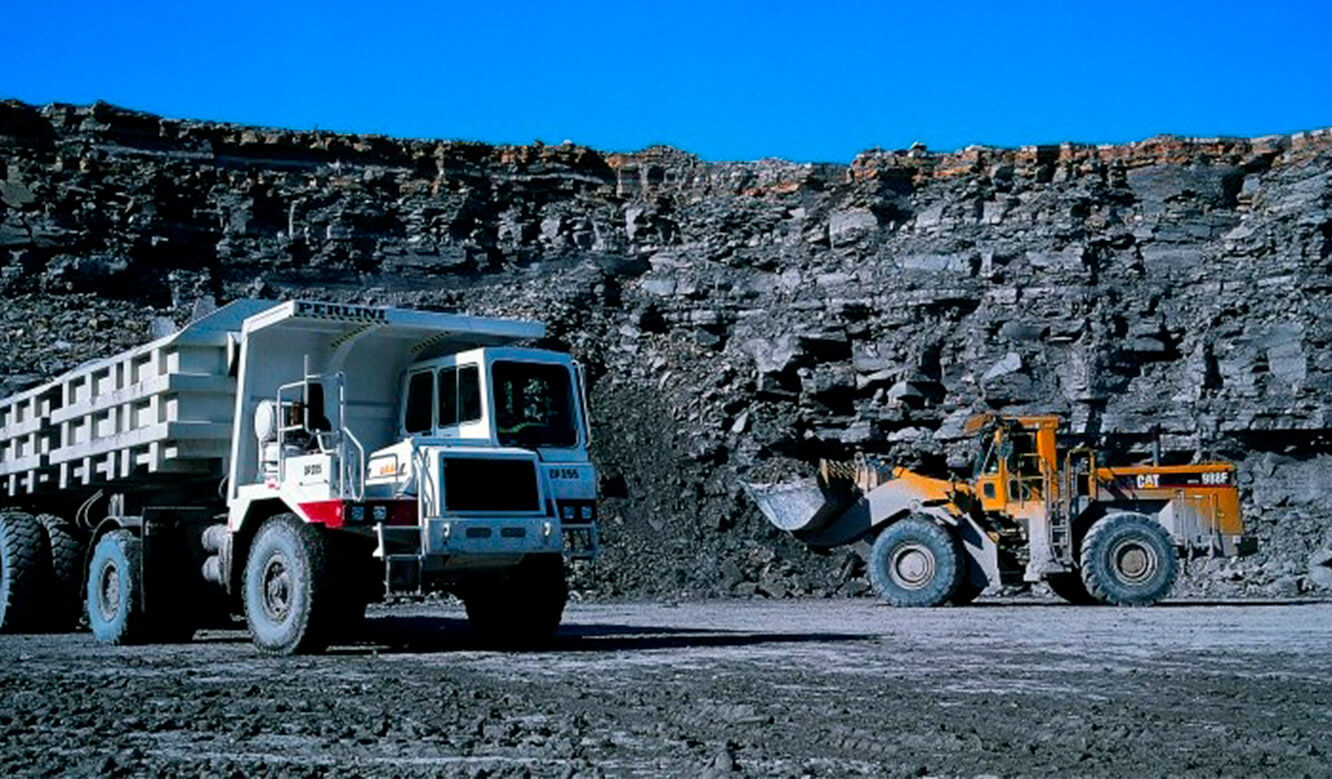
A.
x: 26, y: 570
x: 1091, y: 568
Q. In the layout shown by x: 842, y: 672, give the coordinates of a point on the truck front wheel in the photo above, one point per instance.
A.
x: 915, y: 562
x: 288, y: 594
x: 520, y: 608
x: 1128, y: 560
x: 115, y: 602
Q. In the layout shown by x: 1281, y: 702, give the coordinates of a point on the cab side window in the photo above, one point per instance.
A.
x: 459, y: 395
x: 420, y: 396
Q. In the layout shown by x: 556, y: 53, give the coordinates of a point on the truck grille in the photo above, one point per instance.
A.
x: 490, y: 484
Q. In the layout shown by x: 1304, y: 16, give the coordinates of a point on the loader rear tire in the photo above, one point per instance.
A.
x: 115, y: 597
x: 65, y: 599
x: 289, y: 594
x: 24, y: 572
x: 1128, y: 560
x: 915, y: 563
x: 520, y: 608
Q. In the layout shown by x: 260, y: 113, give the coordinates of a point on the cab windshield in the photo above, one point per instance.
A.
x: 534, y: 404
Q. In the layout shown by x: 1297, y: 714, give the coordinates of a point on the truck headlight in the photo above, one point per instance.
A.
x: 567, y: 512
x: 380, y: 513
x: 587, y: 512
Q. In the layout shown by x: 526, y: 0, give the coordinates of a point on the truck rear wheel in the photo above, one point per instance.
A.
x: 521, y: 608
x: 915, y: 563
x: 23, y: 569
x: 1128, y: 560
x: 289, y: 603
x: 115, y: 600
x: 65, y: 599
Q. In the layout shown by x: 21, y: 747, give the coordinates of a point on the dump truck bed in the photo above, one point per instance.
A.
x: 167, y: 409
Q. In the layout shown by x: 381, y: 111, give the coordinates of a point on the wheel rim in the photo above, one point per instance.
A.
x: 911, y: 566
x: 276, y: 588
x: 1134, y: 562
x: 108, y: 589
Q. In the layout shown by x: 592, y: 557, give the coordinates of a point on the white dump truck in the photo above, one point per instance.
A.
x: 294, y: 461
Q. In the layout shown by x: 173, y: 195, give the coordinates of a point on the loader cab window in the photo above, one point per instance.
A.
x: 418, y: 418
x: 988, y: 460
x: 459, y: 395
x: 534, y: 404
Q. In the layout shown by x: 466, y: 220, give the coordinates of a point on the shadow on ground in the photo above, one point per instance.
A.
x: 445, y: 634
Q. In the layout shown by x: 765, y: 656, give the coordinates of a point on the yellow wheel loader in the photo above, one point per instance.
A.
x: 1033, y: 511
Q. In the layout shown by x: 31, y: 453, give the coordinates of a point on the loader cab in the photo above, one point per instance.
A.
x: 1015, y: 471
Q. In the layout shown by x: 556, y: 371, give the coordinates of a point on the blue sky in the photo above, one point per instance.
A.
x: 801, y: 80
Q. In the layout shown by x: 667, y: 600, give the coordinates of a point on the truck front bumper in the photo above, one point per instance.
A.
x: 485, y: 536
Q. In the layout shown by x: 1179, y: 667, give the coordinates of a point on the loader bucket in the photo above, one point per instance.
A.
x: 799, y: 506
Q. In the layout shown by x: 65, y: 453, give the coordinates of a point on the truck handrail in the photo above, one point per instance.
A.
x: 425, y: 496
x: 355, y: 486
x: 348, y: 485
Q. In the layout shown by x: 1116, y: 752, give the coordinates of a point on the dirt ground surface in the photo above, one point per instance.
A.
x: 820, y: 688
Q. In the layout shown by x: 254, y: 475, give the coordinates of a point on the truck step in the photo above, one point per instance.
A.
x: 402, y: 573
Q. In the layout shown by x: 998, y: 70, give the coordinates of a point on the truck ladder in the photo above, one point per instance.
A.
x: 402, y: 569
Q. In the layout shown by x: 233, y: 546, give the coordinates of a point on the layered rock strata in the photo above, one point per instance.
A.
x: 741, y: 320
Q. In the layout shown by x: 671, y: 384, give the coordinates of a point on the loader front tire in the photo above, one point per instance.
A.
x: 288, y: 590
x: 65, y: 600
x: 24, y: 569
x: 115, y: 597
x: 1128, y: 560
x: 915, y: 563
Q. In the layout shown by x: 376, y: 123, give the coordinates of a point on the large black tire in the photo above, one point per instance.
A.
x: 520, y: 608
x: 65, y: 597
x: 24, y: 573
x: 289, y: 596
x: 114, y: 591
x: 1069, y: 586
x: 915, y: 563
x: 1128, y: 560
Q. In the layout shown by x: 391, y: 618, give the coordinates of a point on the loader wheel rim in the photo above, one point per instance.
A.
x: 108, y: 589
x: 276, y: 588
x: 1134, y: 562
x: 912, y: 566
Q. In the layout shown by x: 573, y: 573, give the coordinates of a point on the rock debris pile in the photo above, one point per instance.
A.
x: 740, y: 320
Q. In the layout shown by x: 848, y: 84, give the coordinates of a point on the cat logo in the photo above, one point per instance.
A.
x: 1149, y: 481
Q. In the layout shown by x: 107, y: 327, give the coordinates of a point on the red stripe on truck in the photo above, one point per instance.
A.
x: 329, y: 513
x: 340, y: 513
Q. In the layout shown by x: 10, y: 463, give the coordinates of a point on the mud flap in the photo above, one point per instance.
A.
x: 173, y: 586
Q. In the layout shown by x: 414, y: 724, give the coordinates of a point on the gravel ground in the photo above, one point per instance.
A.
x: 823, y: 688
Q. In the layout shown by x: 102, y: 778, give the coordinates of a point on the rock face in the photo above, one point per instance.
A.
x: 742, y: 319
